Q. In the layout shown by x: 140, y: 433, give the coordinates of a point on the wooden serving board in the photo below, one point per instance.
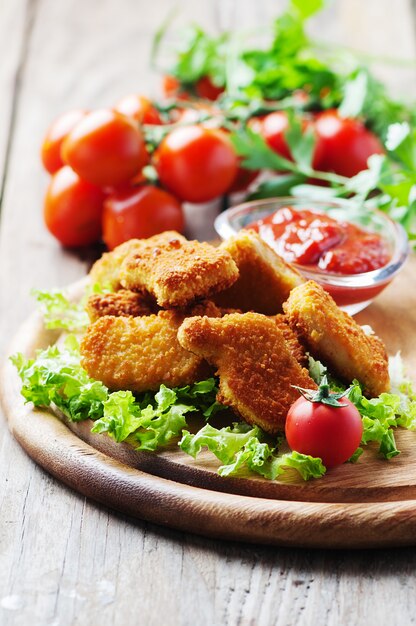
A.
x: 369, y: 504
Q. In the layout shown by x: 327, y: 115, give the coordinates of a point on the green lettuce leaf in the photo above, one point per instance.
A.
x: 55, y: 376
x: 60, y: 312
x: 240, y: 447
x: 149, y: 420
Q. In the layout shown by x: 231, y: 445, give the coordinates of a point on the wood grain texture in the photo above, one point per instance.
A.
x: 370, y: 504
x: 67, y: 561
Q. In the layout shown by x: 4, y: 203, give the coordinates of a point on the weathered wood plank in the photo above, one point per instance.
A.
x: 15, y: 23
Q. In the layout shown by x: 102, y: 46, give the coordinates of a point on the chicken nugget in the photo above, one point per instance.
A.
x: 178, y: 272
x: 141, y: 353
x: 265, y: 279
x: 106, y: 271
x: 291, y: 339
x: 120, y: 303
x: 333, y: 337
x: 254, y: 363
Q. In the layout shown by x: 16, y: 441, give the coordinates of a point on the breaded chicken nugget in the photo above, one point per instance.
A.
x: 291, y: 339
x: 106, y: 271
x: 141, y: 353
x: 178, y: 272
x: 332, y: 336
x: 254, y: 363
x: 120, y: 303
x: 265, y: 279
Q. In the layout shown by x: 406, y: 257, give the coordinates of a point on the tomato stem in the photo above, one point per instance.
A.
x: 323, y: 394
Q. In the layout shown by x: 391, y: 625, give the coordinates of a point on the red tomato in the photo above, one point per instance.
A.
x: 139, y: 213
x: 73, y: 209
x: 139, y: 109
x: 346, y: 144
x: 330, y: 433
x: 56, y: 133
x: 243, y: 179
x: 273, y: 128
x: 205, y: 88
x: 106, y: 148
x: 197, y: 164
x: 171, y: 88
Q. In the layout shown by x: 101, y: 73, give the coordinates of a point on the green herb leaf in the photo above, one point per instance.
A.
x: 256, y: 153
x: 242, y: 447
x: 56, y: 377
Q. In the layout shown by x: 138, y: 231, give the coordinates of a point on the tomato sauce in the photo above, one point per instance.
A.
x: 319, y: 242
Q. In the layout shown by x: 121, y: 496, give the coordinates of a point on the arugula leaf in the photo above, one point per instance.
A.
x: 307, y: 8
x: 301, y: 143
x: 241, y: 446
x: 256, y: 153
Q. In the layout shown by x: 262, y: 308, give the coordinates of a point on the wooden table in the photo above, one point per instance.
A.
x: 63, y: 559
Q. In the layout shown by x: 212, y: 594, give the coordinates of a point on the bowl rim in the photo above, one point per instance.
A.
x: 381, y: 275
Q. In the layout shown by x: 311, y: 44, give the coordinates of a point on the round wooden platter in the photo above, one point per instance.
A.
x: 369, y: 504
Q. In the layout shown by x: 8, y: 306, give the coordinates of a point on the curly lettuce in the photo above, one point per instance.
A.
x: 242, y: 446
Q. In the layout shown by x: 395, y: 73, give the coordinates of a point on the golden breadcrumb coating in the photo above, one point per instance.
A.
x: 106, y: 271
x: 177, y: 272
x: 265, y: 279
x: 141, y: 353
x: 119, y: 303
x: 254, y: 363
x: 291, y: 339
x: 333, y: 337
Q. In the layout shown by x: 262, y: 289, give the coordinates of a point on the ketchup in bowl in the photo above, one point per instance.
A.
x: 353, y: 252
x: 318, y: 241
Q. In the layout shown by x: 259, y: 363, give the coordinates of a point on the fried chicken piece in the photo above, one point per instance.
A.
x: 120, y: 304
x: 333, y: 337
x: 265, y: 279
x: 141, y: 353
x: 177, y: 272
x: 291, y: 339
x: 106, y: 271
x: 254, y: 363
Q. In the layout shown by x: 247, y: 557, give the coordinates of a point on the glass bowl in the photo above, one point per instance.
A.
x: 351, y: 292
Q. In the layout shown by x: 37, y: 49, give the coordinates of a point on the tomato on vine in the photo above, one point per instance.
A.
x: 55, y: 135
x: 139, y: 108
x: 346, y: 144
x: 73, y: 209
x: 105, y: 148
x: 195, y: 163
x: 140, y: 212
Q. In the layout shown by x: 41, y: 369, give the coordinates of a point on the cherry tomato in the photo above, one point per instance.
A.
x: 106, y: 148
x: 346, y: 144
x: 273, y: 128
x: 73, y: 209
x: 330, y: 433
x: 139, y: 213
x: 171, y: 88
x: 243, y: 179
x: 56, y: 133
x: 139, y: 109
x: 205, y: 88
x: 197, y: 164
